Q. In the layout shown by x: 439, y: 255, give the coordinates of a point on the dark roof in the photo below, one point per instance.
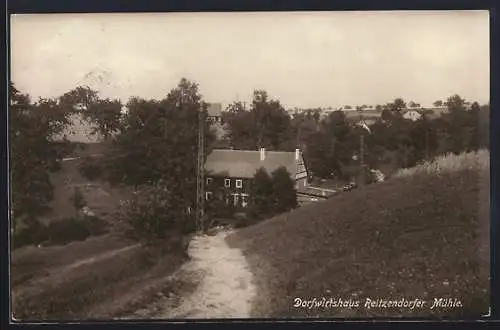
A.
x: 214, y: 109
x: 244, y: 163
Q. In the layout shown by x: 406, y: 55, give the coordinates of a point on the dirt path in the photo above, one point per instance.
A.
x: 224, y: 283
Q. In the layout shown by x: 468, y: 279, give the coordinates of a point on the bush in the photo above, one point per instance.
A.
x: 66, y: 230
x: 31, y: 235
x: 90, y: 168
x: 95, y: 225
x: 285, y: 196
x: 60, y: 232
x: 154, y: 212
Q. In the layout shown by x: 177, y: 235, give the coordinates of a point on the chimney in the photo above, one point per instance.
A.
x: 297, y: 154
x: 262, y: 154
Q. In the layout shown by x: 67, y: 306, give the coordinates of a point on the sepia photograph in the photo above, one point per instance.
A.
x: 243, y: 165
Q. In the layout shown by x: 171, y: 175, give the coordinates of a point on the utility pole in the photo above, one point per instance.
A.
x: 427, y: 144
x: 362, y: 158
x: 200, y: 177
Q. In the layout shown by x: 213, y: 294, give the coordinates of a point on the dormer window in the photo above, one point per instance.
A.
x: 227, y: 183
x: 239, y: 183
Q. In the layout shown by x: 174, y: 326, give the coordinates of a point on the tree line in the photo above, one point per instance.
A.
x: 153, y: 146
x: 331, y: 145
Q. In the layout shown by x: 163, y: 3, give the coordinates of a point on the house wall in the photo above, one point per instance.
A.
x: 301, y: 183
x: 219, y: 191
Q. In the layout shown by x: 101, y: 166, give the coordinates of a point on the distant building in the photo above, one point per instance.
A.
x: 231, y: 172
x: 214, y: 111
x: 80, y: 130
x: 412, y: 114
x: 369, y: 117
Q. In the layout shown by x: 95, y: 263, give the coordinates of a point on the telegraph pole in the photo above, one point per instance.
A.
x: 200, y: 177
x: 427, y: 144
x: 362, y: 158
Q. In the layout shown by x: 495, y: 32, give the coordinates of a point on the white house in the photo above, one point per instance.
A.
x: 412, y: 115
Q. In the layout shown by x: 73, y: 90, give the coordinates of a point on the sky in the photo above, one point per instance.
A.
x: 303, y: 59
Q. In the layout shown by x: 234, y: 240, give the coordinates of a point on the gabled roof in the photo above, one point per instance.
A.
x: 214, y: 109
x: 244, y: 163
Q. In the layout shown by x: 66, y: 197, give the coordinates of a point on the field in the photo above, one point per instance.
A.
x: 100, y: 197
x: 422, y: 234
x: 101, y: 277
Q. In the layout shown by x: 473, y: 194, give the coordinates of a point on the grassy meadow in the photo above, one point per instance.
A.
x: 423, y: 234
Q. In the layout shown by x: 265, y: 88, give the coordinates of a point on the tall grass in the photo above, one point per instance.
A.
x: 423, y: 234
x: 448, y: 163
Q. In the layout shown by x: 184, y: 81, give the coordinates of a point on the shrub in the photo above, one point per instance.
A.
x: 154, y: 212
x: 262, y: 194
x: 90, y: 168
x: 285, y: 196
x: 60, y: 232
x: 33, y: 234
x: 77, y: 200
x: 66, y: 230
x: 95, y: 225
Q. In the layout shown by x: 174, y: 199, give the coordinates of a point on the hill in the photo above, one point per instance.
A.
x: 422, y: 234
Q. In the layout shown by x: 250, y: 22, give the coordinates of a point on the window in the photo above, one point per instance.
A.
x: 244, y: 200
x: 208, y: 195
x: 227, y: 183
x: 239, y: 183
x: 236, y: 199
x: 209, y: 181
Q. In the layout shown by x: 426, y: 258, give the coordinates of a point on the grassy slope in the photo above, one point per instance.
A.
x: 102, y: 277
x: 422, y: 234
x: 96, y: 278
x: 100, y: 196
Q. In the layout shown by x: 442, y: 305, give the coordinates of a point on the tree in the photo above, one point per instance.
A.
x: 36, y: 153
x: 235, y: 107
x: 378, y: 107
x: 105, y: 115
x: 386, y: 115
x: 79, y: 99
x: 413, y: 105
x: 262, y: 194
x: 285, y: 196
x: 457, y: 125
x: 347, y: 107
x: 266, y: 125
x: 158, y: 142
x: 397, y: 105
x: 328, y: 149
x: 153, y: 213
x: 438, y: 103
